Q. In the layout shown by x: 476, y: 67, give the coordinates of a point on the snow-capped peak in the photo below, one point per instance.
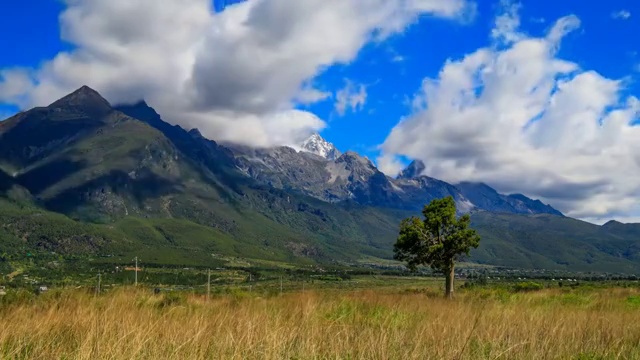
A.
x: 315, y: 144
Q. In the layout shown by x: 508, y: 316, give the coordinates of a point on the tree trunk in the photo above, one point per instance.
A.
x: 448, y: 285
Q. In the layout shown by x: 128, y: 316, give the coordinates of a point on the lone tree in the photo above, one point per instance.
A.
x: 438, y: 240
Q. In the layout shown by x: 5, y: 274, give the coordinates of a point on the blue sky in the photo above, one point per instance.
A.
x: 30, y: 35
x: 239, y: 82
x: 604, y: 44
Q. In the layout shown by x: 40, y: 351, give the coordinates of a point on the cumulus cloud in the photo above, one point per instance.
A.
x: 390, y: 164
x: 621, y: 15
x: 352, y: 97
x: 235, y: 74
x: 14, y: 84
x: 507, y: 24
x: 522, y: 119
x: 309, y: 95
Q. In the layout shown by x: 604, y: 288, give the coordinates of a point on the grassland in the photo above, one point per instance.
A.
x: 394, y: 320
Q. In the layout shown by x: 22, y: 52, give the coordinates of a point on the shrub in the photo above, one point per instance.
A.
x: 634, y: 301
x: 481, y: 281
x: 527, y: 286
x: 20, y: 296
x: 172, y: 299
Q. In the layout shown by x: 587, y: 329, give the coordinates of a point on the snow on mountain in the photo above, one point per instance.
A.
x: 315, y: 144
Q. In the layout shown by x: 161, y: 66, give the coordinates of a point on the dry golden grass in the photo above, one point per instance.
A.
x: 373, y: 324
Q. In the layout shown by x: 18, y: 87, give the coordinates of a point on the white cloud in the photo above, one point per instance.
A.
x: 507, y: 23
x: 523, y: 120
x: 561, y: 28
x: 231, y: 73
x: 621, y: 15
x: 14, y: 83
x: 389, y: 164
x: 352, y: 97
x: 309, y: 95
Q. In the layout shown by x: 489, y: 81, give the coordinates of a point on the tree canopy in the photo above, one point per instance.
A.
x: 438, y: 240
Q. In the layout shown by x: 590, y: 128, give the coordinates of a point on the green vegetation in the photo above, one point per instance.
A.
x: 555, y: 243
x: 80, y: 181
x: 528, y: 286
x: 436, y: 241
x: 375, y: 317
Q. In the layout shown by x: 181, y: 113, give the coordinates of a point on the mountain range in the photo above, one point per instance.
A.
x: 120, y: 179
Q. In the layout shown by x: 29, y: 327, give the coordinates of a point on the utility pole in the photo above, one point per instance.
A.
x: 250, y: 284
x: 136, y: 271
x: 99, y: 281
x: 208, y: 284
x: 280, y: 284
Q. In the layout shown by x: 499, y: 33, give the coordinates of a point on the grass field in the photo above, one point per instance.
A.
x: 386, y: 322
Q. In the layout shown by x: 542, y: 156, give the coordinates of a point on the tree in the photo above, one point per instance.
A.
x: 437, y: 241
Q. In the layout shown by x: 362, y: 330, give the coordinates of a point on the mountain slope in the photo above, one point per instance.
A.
x: 131, y: 183
x: 545, y: 241
x: 91, y: 161
x: 351, y: 177
x: 485, y: 197
x: 96, y: 163
x: 413, y: 171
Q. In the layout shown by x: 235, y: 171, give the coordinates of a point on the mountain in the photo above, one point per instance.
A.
x: 485, y: 197
x: 523, y: 204
x: 351, y: 177
x: 82, y: 176
x: 622, y: 230
x: 94, y: 163
x: 414, y: 170
x: 418, y: 191
x: 81, y: 157
x: 545, y: 241
x: 315, y: 144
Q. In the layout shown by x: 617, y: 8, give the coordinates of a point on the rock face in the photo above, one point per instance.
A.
x: 414, y: 170
x: 352, y: 177
x: 487, y: 198
x: 316, y: 144
x: 83, y: 101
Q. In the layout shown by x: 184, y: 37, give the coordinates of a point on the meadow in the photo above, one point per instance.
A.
x: 390, y: 321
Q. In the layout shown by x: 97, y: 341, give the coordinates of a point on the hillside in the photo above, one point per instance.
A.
x: 96, y: 164
x: 321, y: 171
x: 515, y: 241
x: 552, y: 242
x: 83, y: 177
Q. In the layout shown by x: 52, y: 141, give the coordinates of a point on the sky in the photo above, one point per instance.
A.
x: 537, y: 97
